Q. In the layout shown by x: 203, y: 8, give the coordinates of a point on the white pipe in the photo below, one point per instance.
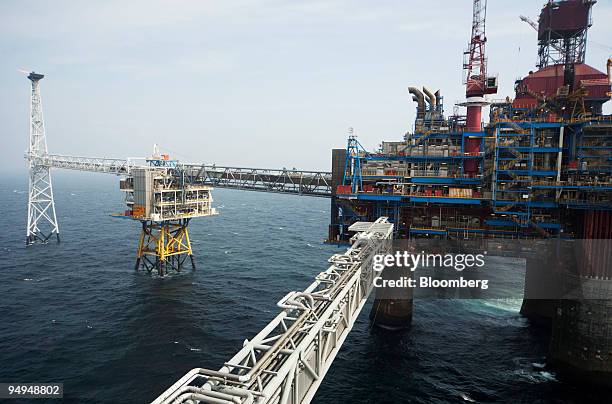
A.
x: 290, y: 301
x: 169, y: 393
x: 227, y: 398
x: 200, y: 397
x: 247, y: 395
x: 559, y: 159
x: 560, y: 155
x: 188, y: 378
x: 226, y: 395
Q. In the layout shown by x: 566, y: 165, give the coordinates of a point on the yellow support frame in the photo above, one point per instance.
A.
x: 164, y: 246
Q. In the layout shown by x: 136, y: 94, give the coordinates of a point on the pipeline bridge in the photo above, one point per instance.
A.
x: 297, y: 182
x: 287, y: 360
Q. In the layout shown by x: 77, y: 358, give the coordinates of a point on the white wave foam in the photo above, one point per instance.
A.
x: 548, y: 376
x: 512, y: 305
x: 467, y: 398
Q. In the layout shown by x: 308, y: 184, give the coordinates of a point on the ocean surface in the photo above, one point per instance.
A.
x: 78, y: 313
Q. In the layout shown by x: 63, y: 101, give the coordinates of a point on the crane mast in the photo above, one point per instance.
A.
x: 475, y: 66
x: 477, y: 84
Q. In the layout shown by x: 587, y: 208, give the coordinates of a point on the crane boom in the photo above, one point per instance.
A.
x: 475, y: 63
x: 535, y: 26
x: 529, y: 21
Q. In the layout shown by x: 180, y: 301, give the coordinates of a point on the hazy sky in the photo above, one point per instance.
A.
x: 261, y: 83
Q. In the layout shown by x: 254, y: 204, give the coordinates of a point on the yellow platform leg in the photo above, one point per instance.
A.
x: 164, y: 246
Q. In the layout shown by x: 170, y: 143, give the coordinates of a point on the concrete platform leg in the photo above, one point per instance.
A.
x: 535, y: 307
x: 392, y: 308
x: 581, y: 341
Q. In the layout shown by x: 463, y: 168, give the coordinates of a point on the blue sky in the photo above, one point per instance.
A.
x: 262, y: 83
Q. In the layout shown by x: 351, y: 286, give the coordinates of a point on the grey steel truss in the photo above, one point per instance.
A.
x: 286, y: 362
x: 92, y: 164
x: 312, y: 183
x: 42, y: 220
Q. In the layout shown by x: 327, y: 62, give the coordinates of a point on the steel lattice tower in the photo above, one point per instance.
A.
x: 562, y: 32
x: 42, y: 221
x: 562, y: 35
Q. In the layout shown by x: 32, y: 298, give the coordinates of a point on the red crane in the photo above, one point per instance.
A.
x: 477, y: 84
x: 475, y: 62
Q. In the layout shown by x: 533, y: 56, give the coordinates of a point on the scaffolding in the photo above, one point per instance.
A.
x: 164, y: 246
x: 522, y: 181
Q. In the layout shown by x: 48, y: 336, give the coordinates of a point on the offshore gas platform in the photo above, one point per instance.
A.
x: 540, y: 169
x: 157, y: 193
x: 164, y: 201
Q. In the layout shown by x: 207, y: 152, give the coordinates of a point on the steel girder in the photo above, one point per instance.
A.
x: 311, y: 183
x: 91, y: 164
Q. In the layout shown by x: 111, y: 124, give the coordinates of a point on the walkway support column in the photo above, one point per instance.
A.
x: 392, y: 308
x: 338, y: 163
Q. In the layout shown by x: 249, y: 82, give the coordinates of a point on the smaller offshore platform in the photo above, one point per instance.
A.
x: 161, y: 193
x: 164, y: 200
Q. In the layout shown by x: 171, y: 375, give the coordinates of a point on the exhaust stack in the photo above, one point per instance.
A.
x: 420, y: 99
x: 430, y: 98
